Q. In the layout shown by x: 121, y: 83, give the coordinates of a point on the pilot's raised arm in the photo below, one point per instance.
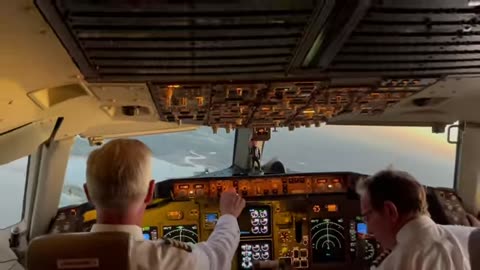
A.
x: 394, y: 206
x: 119, y: 185
x: 218, y: 251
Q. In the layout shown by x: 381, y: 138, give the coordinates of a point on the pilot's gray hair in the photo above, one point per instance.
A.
x: 119, y: 173
x: 399, y: 187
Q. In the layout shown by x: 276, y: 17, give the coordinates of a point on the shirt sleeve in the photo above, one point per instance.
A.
x: 217, y: 252
x: 437, y: 256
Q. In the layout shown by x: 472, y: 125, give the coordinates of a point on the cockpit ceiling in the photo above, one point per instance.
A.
x: 206, y: 41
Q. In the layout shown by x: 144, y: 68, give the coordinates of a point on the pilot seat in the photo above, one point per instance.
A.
x: 80, y: 251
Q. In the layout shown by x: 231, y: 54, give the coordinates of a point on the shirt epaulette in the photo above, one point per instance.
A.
x: 177, y: 244
x: 380, y: 258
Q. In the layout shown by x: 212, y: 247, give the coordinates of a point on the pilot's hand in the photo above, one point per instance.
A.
x: 231, y: 203
x: 474, y: 222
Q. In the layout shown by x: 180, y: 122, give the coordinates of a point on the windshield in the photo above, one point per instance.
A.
x: 362, y: 149
x: 176, y: 155
x: 366, y: 149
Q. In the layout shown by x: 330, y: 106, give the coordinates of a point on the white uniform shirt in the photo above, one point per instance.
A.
x: 214, y: 254
x: 424, y: 245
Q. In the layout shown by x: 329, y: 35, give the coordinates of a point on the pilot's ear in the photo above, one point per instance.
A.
x: 85, y: 188
x: 150, y: 192
x: 391, y: 210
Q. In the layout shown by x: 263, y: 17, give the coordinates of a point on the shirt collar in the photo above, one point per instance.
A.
x: 414, y: 228
x: 133, y: 230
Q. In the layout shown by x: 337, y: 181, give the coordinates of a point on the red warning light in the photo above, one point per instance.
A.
x: 316, y: 208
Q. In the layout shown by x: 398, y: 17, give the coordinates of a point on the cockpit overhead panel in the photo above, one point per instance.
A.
x: 277, y: 104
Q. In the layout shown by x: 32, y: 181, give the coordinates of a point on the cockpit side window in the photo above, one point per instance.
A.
x: 13, y: 180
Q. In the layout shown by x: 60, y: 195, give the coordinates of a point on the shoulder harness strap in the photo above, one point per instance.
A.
x: 177, y: 244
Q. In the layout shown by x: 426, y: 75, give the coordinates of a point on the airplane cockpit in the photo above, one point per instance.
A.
x: 291, y: 103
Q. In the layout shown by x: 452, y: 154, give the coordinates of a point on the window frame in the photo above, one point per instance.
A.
x: 25, y: 190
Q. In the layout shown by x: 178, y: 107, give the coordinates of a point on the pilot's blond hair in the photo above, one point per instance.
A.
x: 118, y: 173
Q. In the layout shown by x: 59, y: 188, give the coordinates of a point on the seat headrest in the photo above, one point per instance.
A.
x: 80, y: 251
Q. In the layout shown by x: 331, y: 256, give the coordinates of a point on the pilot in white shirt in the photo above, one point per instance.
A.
x: 119, y: 186
x: 394, y: 206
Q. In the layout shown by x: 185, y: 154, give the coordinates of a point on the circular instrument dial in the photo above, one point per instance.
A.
x: 185, y: 233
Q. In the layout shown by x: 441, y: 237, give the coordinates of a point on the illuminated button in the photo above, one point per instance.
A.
x: 329, y: 186
x: 332, y: 208
x: 174, y: 215
x: 303, y: 253
x: 316, y: 208
x: 296, y: 253
x: 305, y: 240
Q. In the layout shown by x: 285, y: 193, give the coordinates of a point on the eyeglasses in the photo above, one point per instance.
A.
x: 366, y: 214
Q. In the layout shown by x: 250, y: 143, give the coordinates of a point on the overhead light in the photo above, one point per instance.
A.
x: 473, y: 3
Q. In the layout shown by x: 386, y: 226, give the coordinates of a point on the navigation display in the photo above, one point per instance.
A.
x: 328, y: 240
x: 184, y: 233
x: 255, y: 220
x: 255, y: 250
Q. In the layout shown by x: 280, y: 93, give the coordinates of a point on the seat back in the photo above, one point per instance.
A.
x: 80, y: 251
x: 474, y: 249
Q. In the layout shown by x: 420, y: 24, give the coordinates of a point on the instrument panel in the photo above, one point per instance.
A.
x: 308, y: 221
x: 260, y: 186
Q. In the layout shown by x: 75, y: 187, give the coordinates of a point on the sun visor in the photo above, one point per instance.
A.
x: 24, y: 140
